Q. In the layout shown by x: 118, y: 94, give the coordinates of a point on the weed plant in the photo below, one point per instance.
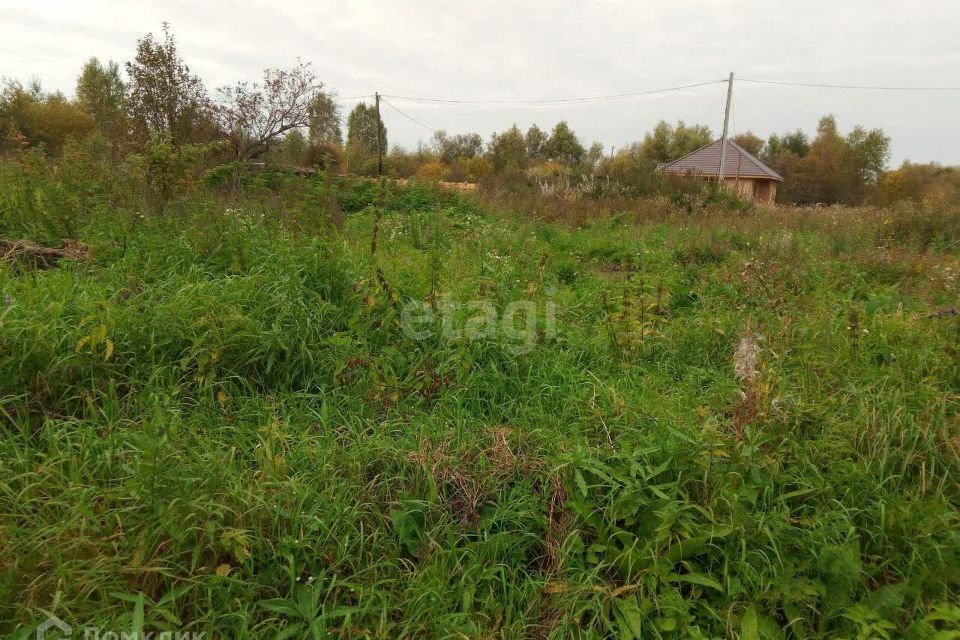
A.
x: 218, y: 423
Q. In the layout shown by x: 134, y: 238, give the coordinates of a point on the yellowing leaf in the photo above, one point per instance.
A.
x: 224, y: 569
x: 619, y: 591
x: 556, y: 587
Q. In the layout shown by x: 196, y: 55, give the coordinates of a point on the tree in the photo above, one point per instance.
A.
x: 294, y: 147
x: 870, y: 151
x: 324, y: 121
x: 784, y: 154
x: 363, y: 125
x: 563, y: 145
x: 667, y: 143
x: 796, y: 143
x: 536, y: 138
x: 56, y: 118
x: 253, y: 116
x: 100, y: 93
x: 16, y: 102
x: 439, y: 141
x: 826, y: 168
x: 29, y: 117
x: 595, y: 154
x: 831, y: 168
x: 932, y: 183
x: 163, y: 98
x: 633, y: 165
x: 463, y: 145
x: 631, y: 168
x: 325, y: 135
x: 749, y: 142
x: 508, y: 151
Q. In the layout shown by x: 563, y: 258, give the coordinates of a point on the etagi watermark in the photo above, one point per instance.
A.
x: 521, y: 323
x: 53, y: 628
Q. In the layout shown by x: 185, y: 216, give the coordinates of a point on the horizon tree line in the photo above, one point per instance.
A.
x: 291, y: 118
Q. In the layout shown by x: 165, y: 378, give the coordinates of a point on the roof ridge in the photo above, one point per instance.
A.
x: 760, y: 164
x: 709, y: 164
x: 687, y: 155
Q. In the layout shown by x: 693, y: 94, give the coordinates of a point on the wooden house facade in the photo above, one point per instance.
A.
x: 744, y: 173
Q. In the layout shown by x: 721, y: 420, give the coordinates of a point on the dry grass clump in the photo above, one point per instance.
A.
x: 746, y: 361
x: 469, y: 478
x: 746, y: 369
x: 24, y: 254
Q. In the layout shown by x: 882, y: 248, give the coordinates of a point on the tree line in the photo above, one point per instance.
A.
x: 157, y: 106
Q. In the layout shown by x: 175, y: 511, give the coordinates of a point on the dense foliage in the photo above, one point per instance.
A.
x: 738, y: 423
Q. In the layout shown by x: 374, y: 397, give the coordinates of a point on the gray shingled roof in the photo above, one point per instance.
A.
x: 705, y: 161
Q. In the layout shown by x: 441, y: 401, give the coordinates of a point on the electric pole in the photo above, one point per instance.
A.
x: 380, y: 132
x: 726, y: 125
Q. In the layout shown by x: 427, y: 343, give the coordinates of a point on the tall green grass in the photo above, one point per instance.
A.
x: 218, y: 424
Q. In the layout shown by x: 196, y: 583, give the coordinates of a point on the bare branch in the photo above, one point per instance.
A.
x: 253, y: 115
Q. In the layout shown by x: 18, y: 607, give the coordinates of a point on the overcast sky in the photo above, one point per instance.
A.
x: 545, y: 50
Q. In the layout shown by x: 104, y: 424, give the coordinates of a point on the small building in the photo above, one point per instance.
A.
x: 743, y: 173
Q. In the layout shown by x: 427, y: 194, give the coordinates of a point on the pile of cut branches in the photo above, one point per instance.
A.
x: 24, y: 254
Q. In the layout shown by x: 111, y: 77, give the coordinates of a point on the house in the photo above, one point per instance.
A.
x: 743, y: 173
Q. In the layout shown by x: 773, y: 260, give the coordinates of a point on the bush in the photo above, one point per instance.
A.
x: 48, y: 199
x: 432, y: 171
x: 479, y: 168
x: 922, y: 225
x: 931, y: 184
x: 321, y: 155
x: 23, y: 175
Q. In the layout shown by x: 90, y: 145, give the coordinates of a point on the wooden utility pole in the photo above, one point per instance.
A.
x: 726, y: 125
x: 378, y: 210
x: 380, y: 131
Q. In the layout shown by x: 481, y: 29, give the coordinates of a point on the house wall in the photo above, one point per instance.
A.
x: 742, y: 186
x: 761, y: 190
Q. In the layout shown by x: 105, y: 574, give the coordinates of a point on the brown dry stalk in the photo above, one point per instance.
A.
x: 746, y: 368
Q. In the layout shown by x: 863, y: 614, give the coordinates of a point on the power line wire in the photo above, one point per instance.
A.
x: 581, y: 100
x: 634, y: 94
x: 352, y: 98
x: 550, y: 101
x: 847, y: 86
x: 405, y: 115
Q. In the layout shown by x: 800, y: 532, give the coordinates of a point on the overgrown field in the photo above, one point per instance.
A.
x: 699, y: 424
